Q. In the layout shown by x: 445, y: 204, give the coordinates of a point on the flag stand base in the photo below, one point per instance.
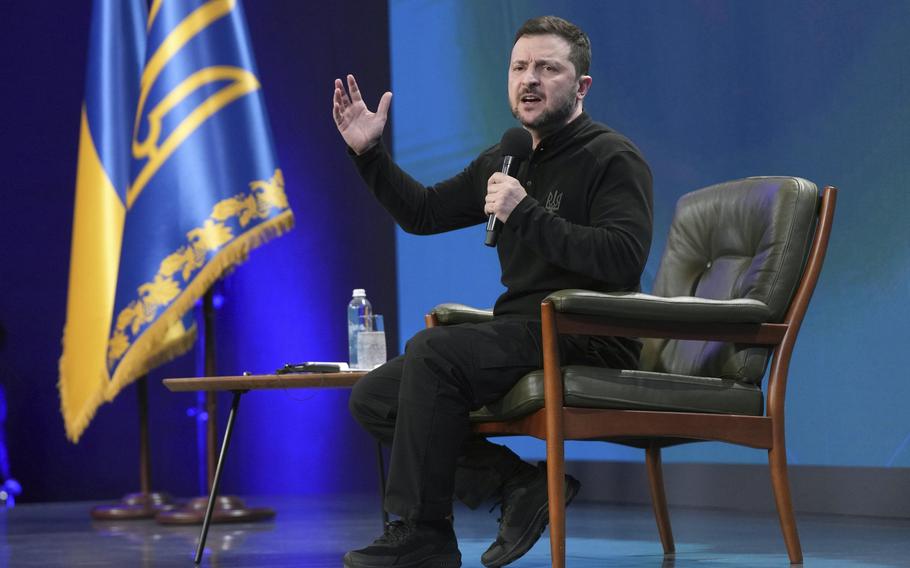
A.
x: 146, y: 503
x: 134, y: 506
x: 228, y: 509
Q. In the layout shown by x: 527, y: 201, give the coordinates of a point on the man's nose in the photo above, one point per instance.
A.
x: 530, y: 77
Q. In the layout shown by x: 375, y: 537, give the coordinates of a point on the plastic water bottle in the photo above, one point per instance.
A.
x: 358, y: 307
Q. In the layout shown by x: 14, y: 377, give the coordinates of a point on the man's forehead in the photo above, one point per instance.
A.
x: 544, y: 46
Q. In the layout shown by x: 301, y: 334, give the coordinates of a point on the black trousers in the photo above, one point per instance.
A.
x: 419, y: 404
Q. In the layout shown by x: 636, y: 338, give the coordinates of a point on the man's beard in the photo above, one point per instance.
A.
x: 550, y: 119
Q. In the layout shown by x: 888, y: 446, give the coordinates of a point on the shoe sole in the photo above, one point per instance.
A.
x: 435, y: 562
x: 535, y: 528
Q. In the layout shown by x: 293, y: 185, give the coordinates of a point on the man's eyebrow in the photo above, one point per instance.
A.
x: 538, y: 61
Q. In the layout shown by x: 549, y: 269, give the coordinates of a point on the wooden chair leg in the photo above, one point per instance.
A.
x: 777, y: 458
x: 659, y: 498
x: 553, y: 391
x: 556, y: 493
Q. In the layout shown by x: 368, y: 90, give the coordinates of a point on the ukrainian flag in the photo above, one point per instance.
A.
x: 177, y: 181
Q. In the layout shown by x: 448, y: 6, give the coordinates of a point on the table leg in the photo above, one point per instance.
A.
x: 381, y: 464
x: 235, y: 403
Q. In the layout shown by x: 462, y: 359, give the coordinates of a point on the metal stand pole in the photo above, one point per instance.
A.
x: 224, y: 508
x: 217, y: 478
x: 211, y: 369
x: 145, y: 465
x: 146, y: 503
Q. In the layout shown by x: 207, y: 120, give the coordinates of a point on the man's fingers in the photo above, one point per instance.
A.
x: 489, y: 206
x: 342, y: 95
x: 355, y: 90
x: 338, y: 98
x: 383, y: 109
x: 498, y: 177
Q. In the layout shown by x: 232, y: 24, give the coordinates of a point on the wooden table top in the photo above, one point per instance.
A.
x: 339, y: 379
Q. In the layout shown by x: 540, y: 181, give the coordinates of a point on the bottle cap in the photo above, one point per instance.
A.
x: 360, y: 293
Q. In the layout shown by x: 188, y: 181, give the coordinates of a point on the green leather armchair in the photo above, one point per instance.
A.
x: 741, y: 263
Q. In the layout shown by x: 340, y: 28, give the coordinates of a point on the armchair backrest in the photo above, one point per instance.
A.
x: 741, y: 239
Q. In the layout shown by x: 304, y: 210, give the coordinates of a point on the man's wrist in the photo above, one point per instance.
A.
x: 521, y: 210
x: 366, y: 148
x: 367, y: 154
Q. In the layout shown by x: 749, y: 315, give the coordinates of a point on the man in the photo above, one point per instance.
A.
x: 576, y: 215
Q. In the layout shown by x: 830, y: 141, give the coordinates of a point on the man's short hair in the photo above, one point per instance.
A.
x: 579, y: 44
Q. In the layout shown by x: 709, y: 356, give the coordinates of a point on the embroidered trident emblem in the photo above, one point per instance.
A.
x: 554, y: 199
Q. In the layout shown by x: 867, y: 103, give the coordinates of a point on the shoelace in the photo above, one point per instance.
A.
x: 498, y: 504
x: 499, y: 539
x: 507, y: 500
x: 395, y: 532
x: 505, y: 503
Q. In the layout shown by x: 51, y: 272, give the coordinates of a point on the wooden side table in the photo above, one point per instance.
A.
x: 239, y: 385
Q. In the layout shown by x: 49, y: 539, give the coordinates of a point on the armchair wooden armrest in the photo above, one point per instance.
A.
x: 641, y: 315
x: 451, y: 314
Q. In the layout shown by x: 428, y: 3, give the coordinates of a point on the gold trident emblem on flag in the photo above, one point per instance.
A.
x: 241, y: 82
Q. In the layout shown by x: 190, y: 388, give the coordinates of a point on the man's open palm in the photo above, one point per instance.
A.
x: 360, y: 128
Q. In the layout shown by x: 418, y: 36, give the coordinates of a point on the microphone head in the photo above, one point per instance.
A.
x: 516, y: 142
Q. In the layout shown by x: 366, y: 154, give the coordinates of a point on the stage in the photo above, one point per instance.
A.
x: 315, y: 532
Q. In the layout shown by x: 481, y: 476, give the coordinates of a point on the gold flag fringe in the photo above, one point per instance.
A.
x: 77, y: 420
x: 150, y: 349
x: 137, y: 360
x: 177, y: 340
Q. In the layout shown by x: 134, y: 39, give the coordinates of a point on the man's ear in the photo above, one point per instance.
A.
x: 584, y: 85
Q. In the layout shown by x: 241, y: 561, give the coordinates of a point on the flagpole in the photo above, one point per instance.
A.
x: 211, y: 438
x: 145, y: 504
x: 227, y: 508
x: 145, y: 464
x: 210, y: 367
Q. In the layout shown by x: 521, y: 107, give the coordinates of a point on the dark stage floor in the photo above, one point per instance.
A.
x: 312, y: 531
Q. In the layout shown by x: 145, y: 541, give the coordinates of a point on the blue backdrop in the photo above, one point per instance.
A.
x: 710, y: 91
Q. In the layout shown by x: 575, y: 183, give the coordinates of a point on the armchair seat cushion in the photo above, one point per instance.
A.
x: 595, y: 387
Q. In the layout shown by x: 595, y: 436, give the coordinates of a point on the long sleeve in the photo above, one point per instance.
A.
x: 452, y: 204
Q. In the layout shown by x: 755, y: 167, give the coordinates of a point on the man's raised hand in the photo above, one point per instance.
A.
x: 360, y: 128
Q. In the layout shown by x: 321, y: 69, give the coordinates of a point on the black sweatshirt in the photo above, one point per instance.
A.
x: 585, y: 223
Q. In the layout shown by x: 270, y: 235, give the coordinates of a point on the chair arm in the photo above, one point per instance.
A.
x: 451, y: 314
x: 644, y: 307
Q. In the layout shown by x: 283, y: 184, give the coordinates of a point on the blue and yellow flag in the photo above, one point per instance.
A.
x: 177, y: 181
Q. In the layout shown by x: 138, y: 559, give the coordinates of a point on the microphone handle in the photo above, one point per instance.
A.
x: 493, y: 227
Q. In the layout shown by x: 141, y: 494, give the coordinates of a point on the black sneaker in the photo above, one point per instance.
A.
x: 409, y: 544
x: 524, y: 516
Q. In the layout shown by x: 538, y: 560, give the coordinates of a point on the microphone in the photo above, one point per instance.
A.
x: 515, y: 146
